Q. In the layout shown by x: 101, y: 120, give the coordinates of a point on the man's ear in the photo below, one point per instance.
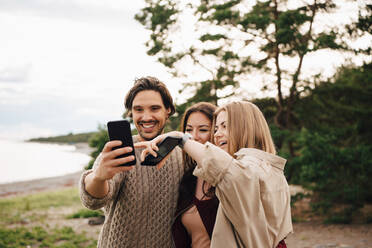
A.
x: 168, y: 111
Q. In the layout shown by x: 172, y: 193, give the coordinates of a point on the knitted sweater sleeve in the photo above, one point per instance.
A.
x: 92, y: 202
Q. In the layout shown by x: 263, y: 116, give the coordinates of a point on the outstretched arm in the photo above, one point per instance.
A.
x: 193, y: 148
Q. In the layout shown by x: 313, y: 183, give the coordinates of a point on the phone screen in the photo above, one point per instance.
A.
x: 120, y: 130
x: 164, y: 149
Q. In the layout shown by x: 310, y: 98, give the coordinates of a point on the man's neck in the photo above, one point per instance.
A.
x: 139, y: 138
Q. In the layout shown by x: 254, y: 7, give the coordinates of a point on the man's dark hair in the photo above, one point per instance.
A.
x: 149, y: 83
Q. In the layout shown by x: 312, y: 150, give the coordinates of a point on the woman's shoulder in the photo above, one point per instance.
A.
x: 253, y: 155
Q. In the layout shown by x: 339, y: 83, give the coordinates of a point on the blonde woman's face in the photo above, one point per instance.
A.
x: 221, y: 136
x: 199, y: 126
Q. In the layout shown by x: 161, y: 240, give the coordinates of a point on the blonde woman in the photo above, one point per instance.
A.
x: 254, y: 209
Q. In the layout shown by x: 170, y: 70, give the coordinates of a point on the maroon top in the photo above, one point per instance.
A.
x: 207, y: 210
x: 282, y: 244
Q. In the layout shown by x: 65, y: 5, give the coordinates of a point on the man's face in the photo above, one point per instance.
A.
x: 149, y: 114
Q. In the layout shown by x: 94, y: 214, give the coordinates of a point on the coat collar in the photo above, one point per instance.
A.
x: 274, y: 160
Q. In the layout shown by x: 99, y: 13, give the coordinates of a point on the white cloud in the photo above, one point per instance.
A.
x: 14, y: 74
x: 99, y: 12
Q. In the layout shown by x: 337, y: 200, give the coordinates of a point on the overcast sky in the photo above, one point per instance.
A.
x: 66, y: 65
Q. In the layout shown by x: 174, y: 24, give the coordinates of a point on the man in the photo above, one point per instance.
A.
x: 139, y: 201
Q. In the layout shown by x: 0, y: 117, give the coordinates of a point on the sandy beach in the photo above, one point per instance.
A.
x: 27, y: 187
x: 45, y: 184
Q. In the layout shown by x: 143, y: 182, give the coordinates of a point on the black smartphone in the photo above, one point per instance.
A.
x: 165, y: 147
x: 120, y: 130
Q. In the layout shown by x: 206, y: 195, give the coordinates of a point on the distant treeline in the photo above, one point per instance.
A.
x: 69, y: 138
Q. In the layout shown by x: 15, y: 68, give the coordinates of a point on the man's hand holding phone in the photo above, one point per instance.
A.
x: 117, y: 156
x: 109, y: 164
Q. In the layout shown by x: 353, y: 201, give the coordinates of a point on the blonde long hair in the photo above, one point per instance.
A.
x: 246, y: 127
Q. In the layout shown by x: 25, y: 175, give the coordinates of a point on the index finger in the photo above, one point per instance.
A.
x: 142, y: 144
x: 111, y: 144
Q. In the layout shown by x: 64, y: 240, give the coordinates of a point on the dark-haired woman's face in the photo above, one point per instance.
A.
x: 199, y: 126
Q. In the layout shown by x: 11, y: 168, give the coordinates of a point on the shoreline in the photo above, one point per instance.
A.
x: 45, y: 184
x: 81, y: 147
x: 38, y: 185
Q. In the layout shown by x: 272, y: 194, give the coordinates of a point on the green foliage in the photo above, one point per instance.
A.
x: 340, y: 174
x: 223, y: 15
x: 85, y: 213
x: 297, y: 197
x: 39, y: 237
x: 343, y: 104
x: 97, y: 141
x: 258, y: 18
x: 158, y: 16
x: 335, y: 152
x: 365, y: 21
x: 362, y: 26
x: 212, y: 37
x: 69, y: 138
x: 345, y: 217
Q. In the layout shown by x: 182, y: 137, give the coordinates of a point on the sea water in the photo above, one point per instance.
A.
x: 21, y: 161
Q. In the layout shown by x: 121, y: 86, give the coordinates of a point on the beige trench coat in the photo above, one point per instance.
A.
x: 254, y: 196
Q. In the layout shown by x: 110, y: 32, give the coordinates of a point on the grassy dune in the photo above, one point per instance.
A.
x: 44, y: 220
x: 69, y: 138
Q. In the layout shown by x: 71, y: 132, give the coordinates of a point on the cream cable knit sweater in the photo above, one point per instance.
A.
x: 145, y: 207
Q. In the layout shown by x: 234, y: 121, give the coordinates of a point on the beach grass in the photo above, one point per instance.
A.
x: 24, y: 220
x: 15, y: 209
x: 40, y: 237
x: 85, y: 213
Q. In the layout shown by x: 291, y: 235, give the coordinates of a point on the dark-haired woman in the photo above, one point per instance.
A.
x: 197, y: 203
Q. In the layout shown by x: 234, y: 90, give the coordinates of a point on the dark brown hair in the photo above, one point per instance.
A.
x: 188, y: 182
x: 149, y: 83
x: 205, y: 108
